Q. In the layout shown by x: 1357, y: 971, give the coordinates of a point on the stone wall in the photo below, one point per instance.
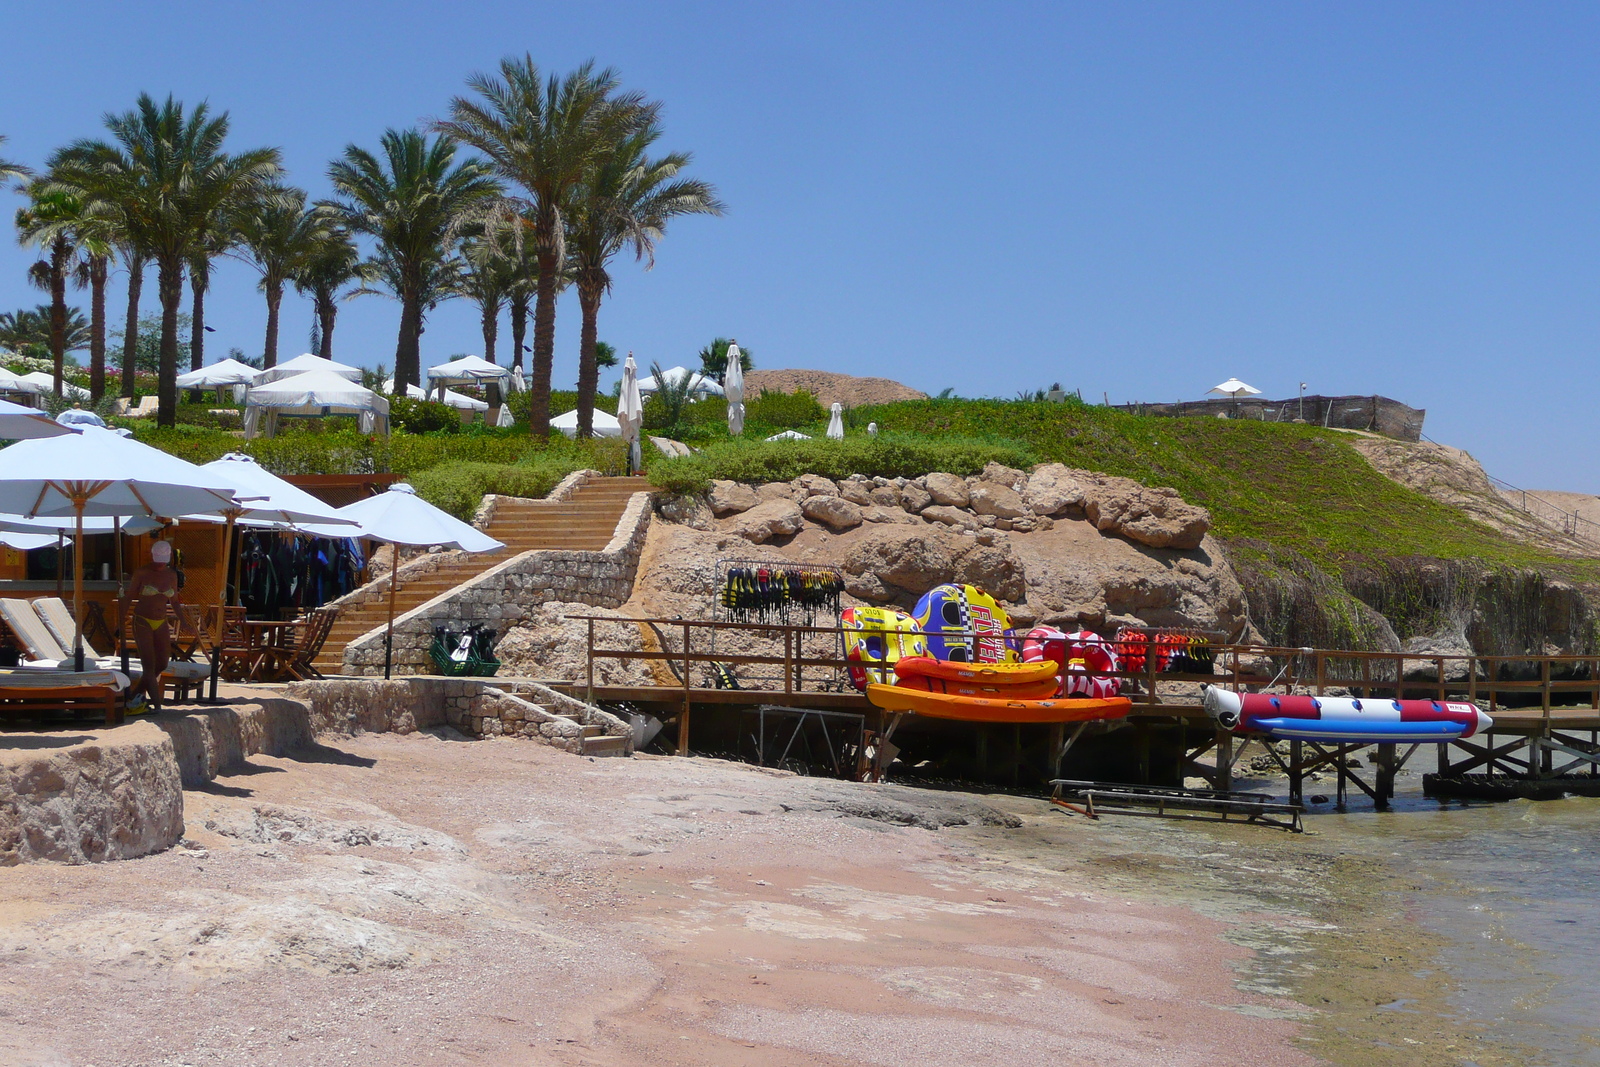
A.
x: 508, y: 592
x: 1377, y: 414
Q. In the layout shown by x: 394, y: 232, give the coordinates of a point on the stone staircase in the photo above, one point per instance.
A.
x: 585, y: 521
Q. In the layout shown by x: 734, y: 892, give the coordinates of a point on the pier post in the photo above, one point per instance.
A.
x: 1224, y: 759
x: 1383, y: 781
x: 1297, y: 772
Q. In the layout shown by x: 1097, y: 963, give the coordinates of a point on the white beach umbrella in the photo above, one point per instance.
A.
x: 18, y: 423
x: 301, y: 364
x: 401, y: 517
x: 73, y: 418
x: 733, y: 388
x: 790, y: 435
x: 503, y: 418
x: 1235, y: 388
x: 98, y: 472
x: 604, y: 424
x: 630, y: 412
x: 27, y: 542
x: 519, y: 384
x: 836, y: 422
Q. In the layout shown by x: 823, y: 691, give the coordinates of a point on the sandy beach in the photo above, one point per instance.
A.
x: 419, y: 900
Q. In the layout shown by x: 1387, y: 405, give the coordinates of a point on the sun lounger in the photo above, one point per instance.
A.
x: 44, y: 698
x: 38, y: 644
x: 53, y: 612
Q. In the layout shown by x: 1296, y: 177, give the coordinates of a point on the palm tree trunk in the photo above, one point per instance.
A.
x: 327, y: 310
x: 59, y: 253
x: 588, y: 370
x: 274, y: 299
x: 491, y: 335
x: 130, y: 330
x: 408, y: 350
x: 170, y: 283
x: 199, y: 280
x: 519, y: 328
x: 544, y: 345
x: 98, y: 267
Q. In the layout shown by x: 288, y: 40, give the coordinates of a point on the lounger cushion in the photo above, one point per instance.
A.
x: 24, y: 622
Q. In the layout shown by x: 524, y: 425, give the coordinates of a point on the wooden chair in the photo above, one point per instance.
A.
x: 311, y: 634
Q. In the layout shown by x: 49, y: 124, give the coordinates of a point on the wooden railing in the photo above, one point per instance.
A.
x: 1236, y: 666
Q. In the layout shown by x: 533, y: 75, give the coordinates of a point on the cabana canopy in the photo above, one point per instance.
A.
x: 468, y: 370
x: 219, y: 375
x: 301, y: 365
x: 451, y: 398
x: 16, y: 383
x: 699, y: 384
x: 47, y: 384
x: 311, y: 394
x: 604, y: 424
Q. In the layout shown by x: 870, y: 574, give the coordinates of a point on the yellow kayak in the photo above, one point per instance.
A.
x: 994, y: 710
x: 984, y: 673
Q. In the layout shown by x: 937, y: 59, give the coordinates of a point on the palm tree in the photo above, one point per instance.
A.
x: 428, y: 283
x: 524, y: 285
x: 97, y: 240
x: 24, y: 328
x: 134, y: 259
x: 167, y: 176
x: 626, y: 201
x: 8, y: 169
x: 332, y: 263
x: 52, y: 222
x: 487, y: 278
x: 279, y: 236
x: 714, y: 359
x: 544, y: 135
x: 412, y: 202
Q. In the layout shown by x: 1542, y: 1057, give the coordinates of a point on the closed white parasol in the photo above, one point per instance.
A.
x: 733, y: 387
x: 630, y: 412
x: 836, y: 422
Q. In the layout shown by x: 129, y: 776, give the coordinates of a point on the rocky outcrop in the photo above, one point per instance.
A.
x: 834, y: 512
x: 1158, y: 517
x: 775, y: 518
x: 1001, y: 501
x: 115, y: 796
x: 948, y: 489
x: 551, y: 645
x: 730, y: 498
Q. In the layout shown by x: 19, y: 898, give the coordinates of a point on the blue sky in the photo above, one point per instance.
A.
x: 1136, y: 200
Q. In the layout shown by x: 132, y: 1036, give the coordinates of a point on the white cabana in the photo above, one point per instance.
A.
x: 468, y: 370
x: 219, y: 376
x: 451, y: 398
x: 699, y: 384
x: 630, y: 412
x: 18, y: 423
x: 1235, y: 388
x: 604, y: 423
x: 16, y: 383
x: 790, y: 435
x: 309, y: 395
x: 47, y: 384
x: 302, y: 364
x: 401, y: 517
x: 733, y: 388
x: 836, y: 422
x: 98, y: 472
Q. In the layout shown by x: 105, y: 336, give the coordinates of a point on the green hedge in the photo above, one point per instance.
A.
x: 887, y: 456
x: 459, y: 486
x: 313, y: 450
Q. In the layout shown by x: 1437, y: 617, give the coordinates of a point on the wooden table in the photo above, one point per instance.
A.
x: 267, y: 652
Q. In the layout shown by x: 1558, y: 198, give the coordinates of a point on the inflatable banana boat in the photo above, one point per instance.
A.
x: 1345, y: 719
x: 995, y: 709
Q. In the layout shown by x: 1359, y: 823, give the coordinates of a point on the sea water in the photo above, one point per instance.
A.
x: 1513, y: 888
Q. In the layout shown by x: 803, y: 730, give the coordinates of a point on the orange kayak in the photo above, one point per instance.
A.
x: 982, y: 709
x: 982, y: 673
x: 1042, y: 690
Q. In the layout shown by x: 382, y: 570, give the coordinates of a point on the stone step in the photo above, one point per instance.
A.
x: 606, y: 746
x: 591, y: 730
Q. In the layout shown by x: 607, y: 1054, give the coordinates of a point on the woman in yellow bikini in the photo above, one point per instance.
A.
x: 152, y: 588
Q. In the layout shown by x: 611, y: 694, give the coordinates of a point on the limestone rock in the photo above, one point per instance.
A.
x: 834, y: 512
x: 993, y: 568
x: 1010, y: 477
x: 857, y: 491
x: 994, y: 498
x: 814, y: 485
x: 682, y: 509
x: 730, y: 498
x: 950, y: 516
x: 775, y: 491
x: 1156, y: 517
x: 1054, y: 489
x: 878, y: 513
x: 913, y: 563
x: 947, y: 489
x: 547, y: 644
x: 885, y: 496
x: 775, y: 518
x: 914, y: 497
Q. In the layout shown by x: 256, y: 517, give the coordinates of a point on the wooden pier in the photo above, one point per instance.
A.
x: 1546, y: 709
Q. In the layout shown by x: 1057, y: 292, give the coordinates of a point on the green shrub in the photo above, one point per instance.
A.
x: 459, y: 486
x: 887, y: 455
x: 422, y: 416
x: 784, y: 411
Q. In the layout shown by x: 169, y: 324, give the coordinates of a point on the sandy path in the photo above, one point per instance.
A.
x: 427, y: 901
